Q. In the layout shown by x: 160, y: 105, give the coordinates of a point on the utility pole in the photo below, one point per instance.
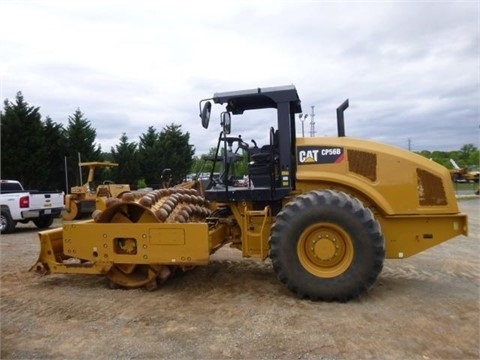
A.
x: 302, y: 118
x: 312, y: 123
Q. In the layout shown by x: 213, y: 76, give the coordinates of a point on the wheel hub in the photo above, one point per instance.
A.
x: 325, y: 250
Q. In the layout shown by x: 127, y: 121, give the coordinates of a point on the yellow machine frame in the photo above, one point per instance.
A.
x: 327, y: 211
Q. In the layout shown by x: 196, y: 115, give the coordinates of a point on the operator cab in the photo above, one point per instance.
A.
x: 271, y: 168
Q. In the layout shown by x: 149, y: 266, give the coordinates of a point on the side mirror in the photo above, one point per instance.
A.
x: 205, y: 114
x: 226, y: 122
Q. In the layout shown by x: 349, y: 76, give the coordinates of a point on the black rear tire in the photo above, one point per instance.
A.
x: 7, y: 225
x: 326, y: 245
x: 43, y: 222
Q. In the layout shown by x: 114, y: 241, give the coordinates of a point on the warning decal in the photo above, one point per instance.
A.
x: 319, y: 155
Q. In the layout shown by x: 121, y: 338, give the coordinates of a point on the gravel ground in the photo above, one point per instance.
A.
x: 424, y: 307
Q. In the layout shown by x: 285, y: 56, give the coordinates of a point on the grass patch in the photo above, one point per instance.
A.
x: 465, y: 187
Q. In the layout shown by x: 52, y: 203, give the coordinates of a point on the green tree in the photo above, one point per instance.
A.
x: 175, y: 151
x: 242, y: 165
x: 442, y: 157
x: 197, y: 164
x: 54, y: 137
x: 126, y: 155
x: 24, y: 155
x: 150, y: 157
x: 469, y: 155
x: 204, y: 163
x: 80, y: 137
x: 474, y: 159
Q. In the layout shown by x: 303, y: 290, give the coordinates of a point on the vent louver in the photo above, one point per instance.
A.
x: 363, y: 163
x: 430, y: 189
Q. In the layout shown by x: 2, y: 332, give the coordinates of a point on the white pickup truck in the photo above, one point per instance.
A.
x: 19, y: 205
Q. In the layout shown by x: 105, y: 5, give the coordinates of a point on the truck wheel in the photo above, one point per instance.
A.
x: 43, y: 222
x: 7, y: 225
x: 326, y: 245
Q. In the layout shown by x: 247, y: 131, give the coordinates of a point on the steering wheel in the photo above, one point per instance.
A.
x: 231, y: 139
x: 242, y: 144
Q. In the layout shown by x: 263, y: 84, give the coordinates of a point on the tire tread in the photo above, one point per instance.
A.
x: 301, y: 205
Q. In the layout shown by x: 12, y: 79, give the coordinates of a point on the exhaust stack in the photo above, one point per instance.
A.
x: 340, y: 119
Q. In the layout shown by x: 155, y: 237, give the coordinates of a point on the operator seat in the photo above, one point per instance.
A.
x: 267, y: 151
x: 263, y: 167
x: 103, y: 192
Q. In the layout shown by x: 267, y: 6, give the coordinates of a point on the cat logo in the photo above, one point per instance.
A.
x: 308, y: 156
x: 319, y: 155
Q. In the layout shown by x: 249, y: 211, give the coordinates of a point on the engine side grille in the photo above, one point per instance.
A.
x: 430, y: 189
x: 363, y: 163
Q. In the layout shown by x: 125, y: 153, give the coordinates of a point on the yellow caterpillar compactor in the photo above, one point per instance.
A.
x: 82, y: 199
x: 326, y: 211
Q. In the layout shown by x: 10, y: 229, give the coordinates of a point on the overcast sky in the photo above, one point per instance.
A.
x: 409, y: 68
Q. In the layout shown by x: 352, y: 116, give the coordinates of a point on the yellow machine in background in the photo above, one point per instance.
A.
x: 464, y: 174
x: 327, y: 211
x: 82, y: 199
